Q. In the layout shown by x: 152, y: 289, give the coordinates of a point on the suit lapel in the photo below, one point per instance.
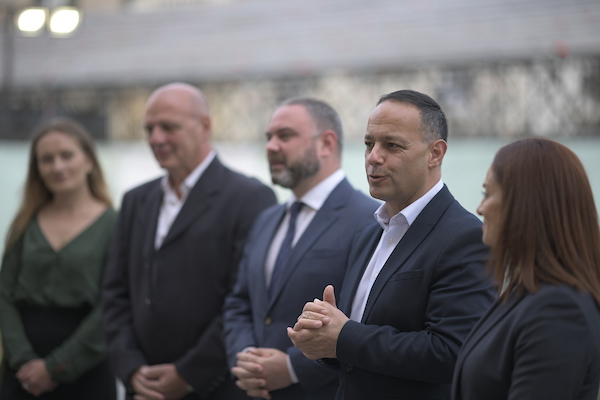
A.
x: 357, y: 269
x: 326, y: 216
x: 494, y: 315
x: 263, y: 245
x: 148, y: 210
x: 199, y: 201
x: 411, y: 240
x: 491, y: 318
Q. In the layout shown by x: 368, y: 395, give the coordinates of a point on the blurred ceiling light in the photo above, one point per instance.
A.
x: 31, y: 20
x: 64, y: 20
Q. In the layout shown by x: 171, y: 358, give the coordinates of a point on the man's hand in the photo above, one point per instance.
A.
x: 34, y: 377
x: 317, y: 330
x: 140, y: 383
x: 159, y: 382
x: 262, y: 370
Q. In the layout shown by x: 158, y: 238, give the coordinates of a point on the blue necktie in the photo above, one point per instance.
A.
x: 285, y: 249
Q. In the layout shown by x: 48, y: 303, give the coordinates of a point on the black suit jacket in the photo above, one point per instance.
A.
x: 164, y: 306
x: 428, y: 296
x: 319, y: 258
x: 544, y: 345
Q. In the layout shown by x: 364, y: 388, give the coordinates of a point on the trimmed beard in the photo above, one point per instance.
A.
x: 294, y: 174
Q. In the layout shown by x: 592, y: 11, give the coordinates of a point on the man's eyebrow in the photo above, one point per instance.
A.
x: 282, y: 130
x: 396, y: 138
x: 388, y: 138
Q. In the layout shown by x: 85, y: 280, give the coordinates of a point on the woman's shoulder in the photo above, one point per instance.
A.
x: 560, y: 291
x: 108, y: 216
x: 562, y: 300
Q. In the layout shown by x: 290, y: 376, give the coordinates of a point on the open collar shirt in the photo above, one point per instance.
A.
x: 171, y: 204
x: 394, y: 229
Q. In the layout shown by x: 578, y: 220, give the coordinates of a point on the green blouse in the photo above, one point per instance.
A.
x: 33, y: 273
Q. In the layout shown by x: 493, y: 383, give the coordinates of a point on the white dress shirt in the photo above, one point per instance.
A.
x: 394, y: 229
x: 171, y: 204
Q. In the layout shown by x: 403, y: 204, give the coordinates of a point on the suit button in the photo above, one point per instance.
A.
x: 268, y: 321
x: 147, y: 301
x: 349, y: 368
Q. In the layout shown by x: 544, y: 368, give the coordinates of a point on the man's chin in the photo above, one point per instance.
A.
x: 281, y: 180
x: 165, y: 161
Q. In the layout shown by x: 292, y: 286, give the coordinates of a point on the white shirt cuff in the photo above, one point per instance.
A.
x: 291, y: 370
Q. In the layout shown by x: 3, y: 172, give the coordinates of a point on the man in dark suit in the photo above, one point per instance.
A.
x: 416, y: 282
x: 304, y: 151
x: 174, y: 258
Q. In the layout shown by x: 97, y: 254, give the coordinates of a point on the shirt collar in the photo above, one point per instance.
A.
x: 410, y: 212
x: 316, y: 196
x: 190, y: 181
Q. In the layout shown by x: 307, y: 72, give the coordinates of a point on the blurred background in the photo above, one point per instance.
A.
x: 500, y: 69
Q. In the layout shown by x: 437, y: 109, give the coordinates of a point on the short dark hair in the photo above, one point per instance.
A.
x: 324, y: 116
x: 549, y: 225
x: 433, y: 120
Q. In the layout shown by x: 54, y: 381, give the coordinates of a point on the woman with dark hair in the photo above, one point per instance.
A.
x: 541, y: 339
x: 52, y: 269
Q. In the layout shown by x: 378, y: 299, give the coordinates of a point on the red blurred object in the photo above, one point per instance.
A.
x: 562, y: 49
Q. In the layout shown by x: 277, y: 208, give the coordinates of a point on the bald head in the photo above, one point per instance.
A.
x: 178, y: 126
x: 183, y: 92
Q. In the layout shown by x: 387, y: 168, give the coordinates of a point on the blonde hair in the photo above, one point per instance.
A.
x: 36, y: 194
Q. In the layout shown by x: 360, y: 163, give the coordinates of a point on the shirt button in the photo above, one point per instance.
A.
x: 148, y: 302
x: 268, y: 321
x: 390, y: 240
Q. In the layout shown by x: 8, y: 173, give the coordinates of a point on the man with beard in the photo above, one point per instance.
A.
x: 293, y: 250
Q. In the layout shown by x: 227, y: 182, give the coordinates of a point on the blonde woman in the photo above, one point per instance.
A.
x: 52, y: 269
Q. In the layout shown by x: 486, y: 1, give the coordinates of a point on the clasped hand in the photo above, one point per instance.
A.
x: 318, y: 327
x: 34, y: 377
x: 158, y: 382
x: 261, y: 370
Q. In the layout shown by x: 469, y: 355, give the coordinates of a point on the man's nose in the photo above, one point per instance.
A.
x: 156, y: 135
x: 272, y: 145
x: 375, y: 156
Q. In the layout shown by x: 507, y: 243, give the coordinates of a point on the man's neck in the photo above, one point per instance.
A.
x: 303, y: 187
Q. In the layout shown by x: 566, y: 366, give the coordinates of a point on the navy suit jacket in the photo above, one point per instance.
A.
x: 428, y: 296
x: 164, y: 305
x: 319, y: 258
x: 544, y: 345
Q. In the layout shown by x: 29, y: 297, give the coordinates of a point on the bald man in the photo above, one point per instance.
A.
x: 174, y: 256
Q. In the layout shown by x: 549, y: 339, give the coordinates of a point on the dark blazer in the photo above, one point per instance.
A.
x: 428, y: 296
x: 164, y: 306
x: 319, y: 258
x: 544, y: 345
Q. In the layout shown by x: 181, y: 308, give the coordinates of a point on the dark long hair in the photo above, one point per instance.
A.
x: 549, y: 223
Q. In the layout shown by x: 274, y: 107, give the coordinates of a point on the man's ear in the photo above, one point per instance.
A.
x: 206, y: 122
x: 328, y: 141
x: 437, y: 150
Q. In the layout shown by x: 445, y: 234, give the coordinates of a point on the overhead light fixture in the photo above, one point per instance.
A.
x: 64, y: 20
x: 31, y: 20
